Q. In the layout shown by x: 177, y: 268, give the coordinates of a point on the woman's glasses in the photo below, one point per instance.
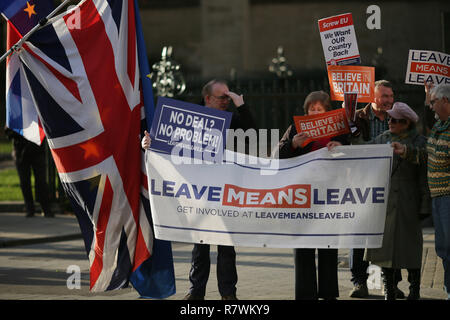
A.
x: 393, y: 120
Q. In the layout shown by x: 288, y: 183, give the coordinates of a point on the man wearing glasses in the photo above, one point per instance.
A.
x: 217, y: 95
x: 438, y: 164
x: 438, y: 149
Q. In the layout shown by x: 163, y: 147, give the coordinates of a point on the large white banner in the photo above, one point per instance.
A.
x: 320, y: 200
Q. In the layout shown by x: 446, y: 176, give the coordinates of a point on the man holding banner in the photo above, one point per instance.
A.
x: 437, y: 157
x: 216, y: 95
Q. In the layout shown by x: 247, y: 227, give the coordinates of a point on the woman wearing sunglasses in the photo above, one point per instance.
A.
x: 408, y: 200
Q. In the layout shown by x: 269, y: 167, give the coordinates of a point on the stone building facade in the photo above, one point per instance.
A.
x: 214, y: 37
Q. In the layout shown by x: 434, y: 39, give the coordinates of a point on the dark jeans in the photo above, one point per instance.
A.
x: 226, y: 270
x: 441, y: 219
x: 305, y: 274
x: 358, y: 267
x: 24, y: 165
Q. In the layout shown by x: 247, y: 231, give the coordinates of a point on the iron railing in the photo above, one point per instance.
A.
x: 273, y: 102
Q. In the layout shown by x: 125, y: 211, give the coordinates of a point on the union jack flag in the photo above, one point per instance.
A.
x: 86, y: 83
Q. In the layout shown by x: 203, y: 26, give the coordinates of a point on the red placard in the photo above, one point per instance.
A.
x: 323, y: 125
x: 334, y: 22
x: 352, y: 79
x: 432, y: 68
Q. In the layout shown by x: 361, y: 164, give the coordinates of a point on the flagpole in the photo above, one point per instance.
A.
x: 43, y: 22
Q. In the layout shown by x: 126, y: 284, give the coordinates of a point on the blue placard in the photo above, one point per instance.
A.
x: 189, y: 130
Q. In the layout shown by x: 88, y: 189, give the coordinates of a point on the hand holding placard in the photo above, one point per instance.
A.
x: 300, y: 140
x: 323, y: 125
x: 146, y: 141
x: 428, y: 85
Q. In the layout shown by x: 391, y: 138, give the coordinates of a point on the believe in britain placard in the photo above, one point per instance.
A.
x: 324, y: 125
x: 358, y: 79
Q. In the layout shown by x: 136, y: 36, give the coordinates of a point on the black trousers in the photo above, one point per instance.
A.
x: 358, y: 266
x: 307, y: 285
x: 25, y: 162
x: 413, y: 275
x: 226, y: 270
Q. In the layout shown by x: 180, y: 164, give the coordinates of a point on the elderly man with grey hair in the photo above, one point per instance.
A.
x: 216, y: 95
x: 438, y: 151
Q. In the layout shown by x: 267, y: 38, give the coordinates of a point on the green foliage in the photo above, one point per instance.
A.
x: 10, y: 185
x: 5, y: 147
